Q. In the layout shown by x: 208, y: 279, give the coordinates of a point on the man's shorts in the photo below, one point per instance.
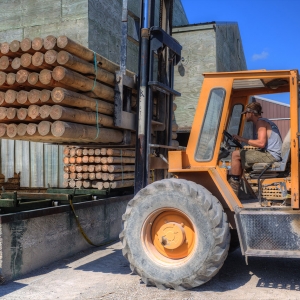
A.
x: 250, y: 157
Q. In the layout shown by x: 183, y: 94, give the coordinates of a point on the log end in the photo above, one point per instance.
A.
x: 31, y: 128
x: 3, y: 128
x: 56, y: 112
x: 49, y: 42
x: 34, y: 96
x: 33, y: 111
x: 51, y: 57
x: 3, y: 113
x: 45, y: 111
x: 21, y: 129
x: 25, y: 44
x: 37, y: 44
x: 37, y: 59
x: 59, y: 73
x: 11, y: 113
x: 45, y: 76
x: 22, y: 113
x: 4, y: 48
x: 11, y: 130
x: 63, y: 57
x: 22, y: 97
x: 10, y: 96
x: 26, y: 60
x: 45, y: 95
x: 4, y: 62
x: 58, y: 128
x: 3, y: 77
x: 22, y: 76
x: 16, y: 63
x: 33, y: 78
x: 44, y: 128
x: 2, y: 98
x: 62, y: 41
x: 58, y: 94
x: 14, y: 46
x: 11, y: 78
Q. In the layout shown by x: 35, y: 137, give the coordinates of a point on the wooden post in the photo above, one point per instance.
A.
x: 11, y: 96
x: 44, y: 128
x: 22, y: 113
x: 83, y: 117
x: 120, y: 160
x: 118, y: 184
x: 82, y: 83
x: 74, y: 63
x: 50, y: 42
x: 120, y: 168
x: 11, y: 113
x: 120, y: 176
x: 21, y: 129
x: 69, y: 98
x: 75, y: 131
x: 46, y: 96
x: 11, y: 130
x: 26, y: 46
x: 120, y: 152
x: 75, y: 48
x: 33, y: 111
x: 22, y: 76
x: 5, y: 64
x: 33, y: 78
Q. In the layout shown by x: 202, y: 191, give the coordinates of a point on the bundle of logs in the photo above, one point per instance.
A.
x: 99, y: 168
x: 56, y: 90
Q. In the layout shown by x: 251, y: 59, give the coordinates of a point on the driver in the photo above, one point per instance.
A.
x: 267, y: 139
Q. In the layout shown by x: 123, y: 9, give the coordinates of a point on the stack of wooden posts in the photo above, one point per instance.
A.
x: 99, y: 168
x: 56, y: 90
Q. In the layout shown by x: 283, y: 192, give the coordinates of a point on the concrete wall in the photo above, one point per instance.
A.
x: 30, y: 240
x: 211, y: 47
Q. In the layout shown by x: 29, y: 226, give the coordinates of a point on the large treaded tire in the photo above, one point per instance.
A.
x: 211, y: 231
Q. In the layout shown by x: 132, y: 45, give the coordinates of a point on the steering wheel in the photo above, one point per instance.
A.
x: 230, y: 137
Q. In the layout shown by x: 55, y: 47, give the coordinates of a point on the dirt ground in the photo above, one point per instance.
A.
x: 103, y: 273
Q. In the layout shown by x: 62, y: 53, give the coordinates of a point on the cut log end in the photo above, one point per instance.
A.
x: 34, y: 96
x: 3, y: 128
x: 22, y: 113
x: 22, y: 97
x: 26, y: 59
x: 11, y: 78
x: 25, y: 44
x: 45, y: 95
x: 21, y: 129
x: 45, y: 111
x: 4, y: 63
x: 3, y: 113
x: 50, y: 42
x: 33, y: 78
x: 32, y: 128
x: 10, y: 96
x: 14, y: 46
x: 57, y: 94
x: 11, y: 130
x: 16, y: 63
x: 22, y: 76
x: 45, y: 76
x: 4, y: 48
x: 38, y: 59
x: 3, y: 77
x: 33, y: 111
x: 51, y: 57
x: 44, y: 128
x: 59, y: 73
x: 62, y: 41
x: 37, y: 44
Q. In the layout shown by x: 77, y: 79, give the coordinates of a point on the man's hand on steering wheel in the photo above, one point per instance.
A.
x: 233, y: 139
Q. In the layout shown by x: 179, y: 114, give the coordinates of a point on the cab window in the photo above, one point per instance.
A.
x: 209, y: 130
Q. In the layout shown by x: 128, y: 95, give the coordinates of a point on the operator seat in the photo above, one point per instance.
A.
x: 279, y: 166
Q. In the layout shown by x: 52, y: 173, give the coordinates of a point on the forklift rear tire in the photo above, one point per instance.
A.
x: 175, y: 235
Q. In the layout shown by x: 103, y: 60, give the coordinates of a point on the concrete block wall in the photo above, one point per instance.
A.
x: 30, y: 240
x: 209, y: 47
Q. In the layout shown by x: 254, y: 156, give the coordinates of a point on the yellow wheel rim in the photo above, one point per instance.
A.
x: 173, y: 234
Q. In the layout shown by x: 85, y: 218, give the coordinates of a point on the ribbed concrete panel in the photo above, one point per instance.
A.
x: 22, y: 159
x: 8, y: 158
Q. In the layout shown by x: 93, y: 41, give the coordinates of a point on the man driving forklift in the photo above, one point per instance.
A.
x: 267, y: 142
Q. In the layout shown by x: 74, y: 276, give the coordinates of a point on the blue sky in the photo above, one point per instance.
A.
x: 270, y: 30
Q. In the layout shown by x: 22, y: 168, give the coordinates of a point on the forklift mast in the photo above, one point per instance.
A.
x: 158, y: 54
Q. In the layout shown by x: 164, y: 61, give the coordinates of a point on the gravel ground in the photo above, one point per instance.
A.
x: 103, y: 273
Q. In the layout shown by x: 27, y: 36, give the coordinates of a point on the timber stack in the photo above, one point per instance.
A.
x: 58, y: 91
x: 55, y: 90
x: 98, y: 168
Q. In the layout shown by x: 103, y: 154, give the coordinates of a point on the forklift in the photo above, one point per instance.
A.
x: 177, y: 231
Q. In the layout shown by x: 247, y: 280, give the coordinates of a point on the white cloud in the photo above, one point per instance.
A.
x: 262, y: 55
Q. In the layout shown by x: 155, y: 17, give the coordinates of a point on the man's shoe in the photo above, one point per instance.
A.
x: 235, y: 185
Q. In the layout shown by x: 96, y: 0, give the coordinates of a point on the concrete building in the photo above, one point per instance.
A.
x: 209, y: 47
x: 95, y: 24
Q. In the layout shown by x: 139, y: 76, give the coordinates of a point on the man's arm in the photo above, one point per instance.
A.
x: 262, y: 137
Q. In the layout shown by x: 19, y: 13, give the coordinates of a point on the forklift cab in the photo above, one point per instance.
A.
x: 218, y: 117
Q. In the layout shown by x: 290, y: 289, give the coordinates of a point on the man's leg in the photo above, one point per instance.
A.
x: 236, y: 171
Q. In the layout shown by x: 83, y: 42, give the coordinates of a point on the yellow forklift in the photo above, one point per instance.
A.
x: 177, y: 230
